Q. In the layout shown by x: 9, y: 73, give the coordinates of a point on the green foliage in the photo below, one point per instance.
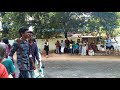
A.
x: 68, y: 21
x: 107, y: 20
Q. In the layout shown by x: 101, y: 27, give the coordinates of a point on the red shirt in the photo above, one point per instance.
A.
x: 57, y: 44
x: 3, y: 71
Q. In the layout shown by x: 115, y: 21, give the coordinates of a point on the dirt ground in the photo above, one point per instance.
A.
x: 64, y: 57
x: 76, y: 66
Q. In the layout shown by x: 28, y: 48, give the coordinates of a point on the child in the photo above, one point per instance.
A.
x: 74, y: 47
x: 77, y: 48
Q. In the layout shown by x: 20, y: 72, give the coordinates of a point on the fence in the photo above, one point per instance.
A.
x: 52, y: 42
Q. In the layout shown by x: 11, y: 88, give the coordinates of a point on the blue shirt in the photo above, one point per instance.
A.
x: 73, y: 46
x: 108, y: 42
x: 76, y: 46
x: 35, y: 53
x: 23, y: 62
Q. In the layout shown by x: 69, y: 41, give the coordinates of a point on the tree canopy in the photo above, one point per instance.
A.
x: 48, y: 24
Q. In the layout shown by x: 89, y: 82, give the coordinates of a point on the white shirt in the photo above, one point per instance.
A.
x: 113, y: 41
x: 46, y: 44
x: 62, y: 44
x: 3, y: 44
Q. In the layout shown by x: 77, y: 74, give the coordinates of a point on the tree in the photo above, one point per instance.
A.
x: 45, y: 24
x: 108, y: 20
x: 12, y: 21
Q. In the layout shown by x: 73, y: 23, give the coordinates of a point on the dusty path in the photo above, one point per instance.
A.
x: 64, y: 57
x: 75, y: 66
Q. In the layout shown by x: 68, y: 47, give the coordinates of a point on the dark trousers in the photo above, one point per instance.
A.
x: 46, y: 52
x: 77, y: 51
x: 60, y: 49
x: 24, y: 74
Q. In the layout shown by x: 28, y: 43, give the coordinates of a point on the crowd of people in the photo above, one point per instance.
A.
x: 83, y: 48
x: 27, y: 53
x: 72, y: 47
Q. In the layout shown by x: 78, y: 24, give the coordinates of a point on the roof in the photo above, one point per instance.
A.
x: 88, y: 36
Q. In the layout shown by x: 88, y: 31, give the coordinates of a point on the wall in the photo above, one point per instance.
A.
x: 52, y: 42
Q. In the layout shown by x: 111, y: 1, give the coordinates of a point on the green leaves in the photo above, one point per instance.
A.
x: 107, y: 20
x: 68, y: 21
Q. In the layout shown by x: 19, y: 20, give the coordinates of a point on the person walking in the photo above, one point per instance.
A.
x: 33, y: 50
x: 21, y: 46
x: 9, y: 66
x: 7, y: 62
x: 8, y: 46
x: 3, y: 70
x: 31, y: 35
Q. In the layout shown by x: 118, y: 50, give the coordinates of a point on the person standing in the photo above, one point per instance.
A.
x: 83, y: 53
x: 71, y: 48
x: 57, y: 44
x: 115, y: 45
x: 67, y: 43
x: 46, y: 48
x: 80, y: 48
x: 108, y: 44
x: 76, y: 48
x: 62, y: 44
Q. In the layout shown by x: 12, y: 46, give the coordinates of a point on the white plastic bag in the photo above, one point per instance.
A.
x: 39, y: 73
x: 10, y: 76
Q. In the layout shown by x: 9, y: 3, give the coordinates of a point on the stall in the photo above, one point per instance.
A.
x: 90, y: 39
